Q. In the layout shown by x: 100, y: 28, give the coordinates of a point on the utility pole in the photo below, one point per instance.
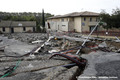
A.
x: 87, y: 37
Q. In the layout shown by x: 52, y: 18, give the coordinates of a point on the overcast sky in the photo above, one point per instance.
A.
x: 58, y: 7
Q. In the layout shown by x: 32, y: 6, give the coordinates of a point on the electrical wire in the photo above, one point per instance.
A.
x: 14, y: 68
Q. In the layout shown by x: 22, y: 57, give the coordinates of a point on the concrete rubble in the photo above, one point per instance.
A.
x: 33, y: 50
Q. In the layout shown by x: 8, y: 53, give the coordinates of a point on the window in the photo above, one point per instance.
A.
x: 3, y: 29
x: 33, y: 29
x: 62, y: 20
x: 84, y: 19
x: 63, y: 25
x: 90, y: 19
x: 83, y: 24
x: 92, y: 27
x: 24, y: 28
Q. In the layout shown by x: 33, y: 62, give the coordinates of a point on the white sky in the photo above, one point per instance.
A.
x: 58, y: 7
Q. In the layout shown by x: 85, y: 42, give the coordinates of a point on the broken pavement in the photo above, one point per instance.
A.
x: 100, y: 54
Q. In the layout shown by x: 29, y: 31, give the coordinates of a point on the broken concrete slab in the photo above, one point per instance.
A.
x: 95, y: 60
x: 38, y: 41
x: 37, y: 65
x: 55, y: 73
x: 17, y: 50
x: 103, y: 44
x: 61, y: 73
x: 26, y: 76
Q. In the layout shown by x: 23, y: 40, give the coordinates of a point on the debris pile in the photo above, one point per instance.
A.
x: 35, y: 56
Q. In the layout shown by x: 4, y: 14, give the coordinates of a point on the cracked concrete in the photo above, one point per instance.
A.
x: 38, y: 66
x: 101, y: 64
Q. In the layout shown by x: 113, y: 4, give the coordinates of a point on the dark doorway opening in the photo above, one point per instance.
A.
x: 12, y: 30
x: 33, y: 29
x: 48, y: 25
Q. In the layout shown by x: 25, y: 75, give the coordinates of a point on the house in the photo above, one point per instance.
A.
x: 17, y: 26
x: 76, y: 21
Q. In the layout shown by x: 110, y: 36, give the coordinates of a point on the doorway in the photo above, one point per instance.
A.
x: 91, y: 28
x: 12, y: 30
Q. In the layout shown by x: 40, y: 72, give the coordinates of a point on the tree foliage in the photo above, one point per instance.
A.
x: 43, y: 21
x: 111, y: 20
x: 25, y: 16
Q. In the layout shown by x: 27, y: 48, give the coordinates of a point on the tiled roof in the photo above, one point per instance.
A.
x: 17, y: 23
x: 76, y: 14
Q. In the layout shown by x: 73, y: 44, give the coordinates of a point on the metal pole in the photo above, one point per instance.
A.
x: 117, y: 38
x: 87, y: 38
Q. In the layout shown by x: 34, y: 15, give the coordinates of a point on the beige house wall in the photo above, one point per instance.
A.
x: 71, y: 26
x: 64, y: 26
x: 18, y: 29
x: 0, y: 29
x: 7, y: 30
x: 88, y: 23
x: 29, y: 28
x: 59, y: 26
x: 74, y: 23
x: 77, y: 24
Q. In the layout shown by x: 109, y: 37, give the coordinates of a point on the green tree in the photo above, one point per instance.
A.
x: 111, y: 20
x: 38, y: 23
x: 43, y: 21
x: 27, y: 16
x: 106, y: 19
x: 116, y: 18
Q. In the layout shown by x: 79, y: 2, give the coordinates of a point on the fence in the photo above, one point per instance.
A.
x: 104, y: 33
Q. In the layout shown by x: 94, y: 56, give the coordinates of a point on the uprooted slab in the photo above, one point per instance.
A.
x: 55, y: 73
x: 14, y: 47
x: 41, y: 69
x: 32, y: 67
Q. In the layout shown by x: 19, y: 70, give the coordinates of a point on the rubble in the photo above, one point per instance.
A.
x: 35, y: 49
x: 103, y: 45
x: 38, y: 41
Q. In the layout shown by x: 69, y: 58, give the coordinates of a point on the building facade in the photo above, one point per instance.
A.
x: 17, y: 26
x: 77, y: 21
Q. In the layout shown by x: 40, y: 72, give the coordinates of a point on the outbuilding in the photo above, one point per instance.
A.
x: 17, y: 26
